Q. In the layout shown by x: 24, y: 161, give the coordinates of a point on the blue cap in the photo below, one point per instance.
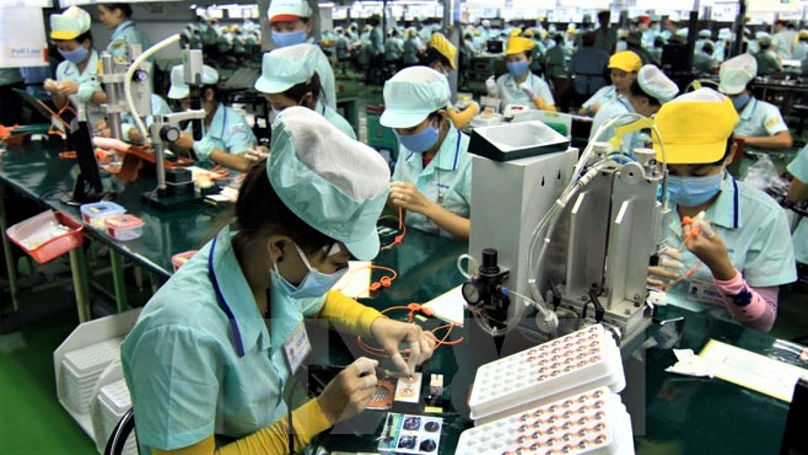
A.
x: 412, y: 94
x: 333, y: 183
x: 285, y: 67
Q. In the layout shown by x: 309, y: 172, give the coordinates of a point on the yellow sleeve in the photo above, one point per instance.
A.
x: 460, y: 119
x: 308, y: 419
x: 347, y: 314
x: 540, y: 104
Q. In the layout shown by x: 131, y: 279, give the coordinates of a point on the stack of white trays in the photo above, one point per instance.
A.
x: 582, y: 360
x: 81, y: 369
x: 113, y: 402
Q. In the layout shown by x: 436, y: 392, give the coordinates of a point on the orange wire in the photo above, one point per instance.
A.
x: 412, y: 308
x: 402, y: 228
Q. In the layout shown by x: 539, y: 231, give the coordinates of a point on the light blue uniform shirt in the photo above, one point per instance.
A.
x: 88, y: 81
x: 512, y: 94
x: 754, y: 229
x: 181, y: 364
x: 602, y: 97
x: 799, y: 169
x: 127, y: 31
x: 759, y: 118
x: 335, y: 119
x: 610, y: 111
x: 229, y: 133
x: 159, y: 106
x: 446, y: 180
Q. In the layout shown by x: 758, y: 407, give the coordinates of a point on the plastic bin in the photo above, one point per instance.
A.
x: 47, y: 235
x: 94, y: 214
x: 124, y: 227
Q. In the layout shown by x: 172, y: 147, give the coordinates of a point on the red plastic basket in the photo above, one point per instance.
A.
x: 54, y: 247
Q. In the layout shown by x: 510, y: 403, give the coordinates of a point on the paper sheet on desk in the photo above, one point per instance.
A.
x: 754, y: 371
x: 448, y: 306
x: 356, y: 282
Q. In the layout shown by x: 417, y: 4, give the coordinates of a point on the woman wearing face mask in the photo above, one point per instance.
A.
x: 227, y: 135
x: 76, y: 77
x: 207, y: 355
x: 290, y: 21
x: 441, y: 56
x: 736, y: 265
x: 623, y: 67
x: 288, y: 79
x: 432, y: 179
x: 519, y: 85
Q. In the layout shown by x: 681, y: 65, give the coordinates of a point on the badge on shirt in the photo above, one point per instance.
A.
x: 297, y: 347
x: 704, y: 292
x: 772, y: 122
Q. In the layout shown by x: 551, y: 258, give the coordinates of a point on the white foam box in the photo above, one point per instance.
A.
x: 594, y: 422
x: 570, y: 364
x: 78, y: 366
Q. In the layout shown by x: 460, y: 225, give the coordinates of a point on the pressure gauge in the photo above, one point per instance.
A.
x: 140, y: 76
x: 471, y: 293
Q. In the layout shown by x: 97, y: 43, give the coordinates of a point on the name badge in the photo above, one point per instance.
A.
x: 704, y: 292
x: 297, y: 348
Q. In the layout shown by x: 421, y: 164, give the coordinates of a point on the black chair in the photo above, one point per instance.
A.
x: 120, y: 434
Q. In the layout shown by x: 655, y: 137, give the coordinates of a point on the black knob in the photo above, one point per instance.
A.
x: 489, y: 261
x: 169, y: 133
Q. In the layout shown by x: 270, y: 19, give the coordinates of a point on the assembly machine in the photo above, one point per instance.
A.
x: 572, y: 245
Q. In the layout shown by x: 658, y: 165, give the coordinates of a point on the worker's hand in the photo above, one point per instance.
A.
x: 257, y: 153
x: 527, y: 89
x: 710, y: 249
x: 186, y: 140
x: 669, y: 268
x: 391, y: 334
x: 491, y: 87
x: 407, y: 196
x: 51, y: 85
x: 349, y: 393
x: 134, y: 135
x: 68, y: 87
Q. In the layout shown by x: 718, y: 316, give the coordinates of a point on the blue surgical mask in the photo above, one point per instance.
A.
x: 314, y: 284
x: 76, y: 55
x: 420, y: 142
x: 290, y: 38
x: 741, y: 101
x: 694, y: 191
x: 518, y: 68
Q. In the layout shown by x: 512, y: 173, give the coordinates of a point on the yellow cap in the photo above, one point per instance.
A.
x: 516, y: 32
x: 529, y: 33
x: 681, y: 124
x: 802, y: 35
x: 446, y: 49
x: 517, y: 44
x: 625, y: 60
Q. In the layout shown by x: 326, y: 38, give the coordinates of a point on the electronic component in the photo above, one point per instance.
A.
x: 408, y: 389
x: 382, y: 399
x: 579, y: 361
x: 435, y: 385
x: 592, y: 422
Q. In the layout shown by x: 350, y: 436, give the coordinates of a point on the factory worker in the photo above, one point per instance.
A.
x: 207, y: 354
x: 411, y: 48
x: 519, y: 85
x: 227, y: 135
x: 645, y: 96
x: 623, y: 67
x: 117, y: 16
x: 290, y: 21
x: 798, y: 192
x: 76, y: 77
x: 441, y: 56
x: 288, y: 79
x: 432, y: 178
x: 761, y: 125
x: 734, y: 268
